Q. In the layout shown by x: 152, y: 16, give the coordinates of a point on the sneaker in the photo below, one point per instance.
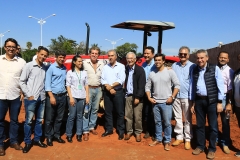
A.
x: 167, y: 146
x: 177, y: 142
x: 197, y: 151
x: 226, y: 149
x: 237, y: 154
x: 211, y: 155
x: 187, y: 145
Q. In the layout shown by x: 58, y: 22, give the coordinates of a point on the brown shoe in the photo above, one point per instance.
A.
x: 187, y: 145
x: 197, y: 151
x: 94, y: 132
x: 2, y: 151
x: 16, y: 146
x: 138, y: 138
x: 127, y: 137
x: 86, y: 136
x: 177, y: 142
x: 167, y: 146
x: 211, y: 155
x: 155, y: 143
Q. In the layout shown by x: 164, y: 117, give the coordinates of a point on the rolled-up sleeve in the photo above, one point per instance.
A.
x: 121, y: 75
x: 48, y: 79
x: 103, y: 76
x: 23, y: 81
x: 220, y: 83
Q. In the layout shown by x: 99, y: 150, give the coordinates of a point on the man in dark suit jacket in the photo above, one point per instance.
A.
x: 135, y: 90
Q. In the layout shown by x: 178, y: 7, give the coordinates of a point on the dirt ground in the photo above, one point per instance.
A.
x: 110, y: 148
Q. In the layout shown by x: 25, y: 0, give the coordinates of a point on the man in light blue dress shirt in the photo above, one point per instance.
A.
x: 56, y: 99
x: 181, y: 105
x: 112, y: 79
x: 148, y: 119
x: 206, y: 92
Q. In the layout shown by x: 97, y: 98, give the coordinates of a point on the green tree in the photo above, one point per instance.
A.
x: 29, y: 45
x: 63, y: 44
x: 28, y: 54
x: 125, y: 48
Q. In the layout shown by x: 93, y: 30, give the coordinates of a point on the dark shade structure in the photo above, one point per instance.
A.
x: 147, y: 27
x: 87, y: 40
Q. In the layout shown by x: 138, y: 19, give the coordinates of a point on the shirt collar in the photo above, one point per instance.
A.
x: 151, y: 63
x: 223, y: 67
x: 56, y: 65
x: 130, y: 69
x: 15, y: 58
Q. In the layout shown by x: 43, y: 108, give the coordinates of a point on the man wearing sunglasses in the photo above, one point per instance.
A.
x: 181, y: 104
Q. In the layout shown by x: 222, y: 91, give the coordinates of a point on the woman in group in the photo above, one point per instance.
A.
x: 78, y: 96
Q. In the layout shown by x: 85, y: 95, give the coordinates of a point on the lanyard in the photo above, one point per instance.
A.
x: 79, y: 77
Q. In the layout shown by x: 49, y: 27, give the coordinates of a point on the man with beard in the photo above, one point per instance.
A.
x: 227, y: 73
x: 32, y: 84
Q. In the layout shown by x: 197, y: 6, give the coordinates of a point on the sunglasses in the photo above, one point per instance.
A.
x: 182, y: 54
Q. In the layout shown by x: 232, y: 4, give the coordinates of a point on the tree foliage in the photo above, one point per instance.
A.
x: 125, y: 48
x: 29, y: 45
x: 63, y: 44
x: 28, y: 54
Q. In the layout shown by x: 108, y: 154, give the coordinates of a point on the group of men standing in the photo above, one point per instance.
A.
x: 152, y: 92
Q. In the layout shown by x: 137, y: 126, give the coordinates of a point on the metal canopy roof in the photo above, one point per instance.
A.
x: 142, y: 25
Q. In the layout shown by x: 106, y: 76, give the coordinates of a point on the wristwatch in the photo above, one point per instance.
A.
x: 172, y: 97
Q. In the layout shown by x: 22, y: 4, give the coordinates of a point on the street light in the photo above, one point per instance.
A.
x: 1, y: 35
x: 114, y: 42
x: 41, y: 22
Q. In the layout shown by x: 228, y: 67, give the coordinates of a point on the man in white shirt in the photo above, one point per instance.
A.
x: 11, y: 68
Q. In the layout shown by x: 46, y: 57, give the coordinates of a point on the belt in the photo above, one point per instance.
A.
x: 202, y: 97
x: 129, y: 95
x: 59, y: 94
x: 94, y: 86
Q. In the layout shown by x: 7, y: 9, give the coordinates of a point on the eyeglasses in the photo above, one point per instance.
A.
x: 11, y: 47
x: 182, y: 54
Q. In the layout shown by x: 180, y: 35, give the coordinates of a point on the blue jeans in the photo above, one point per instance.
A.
x: 203, y: 109
x: 163, y: 114
x: 114, y: 102
x: 75, y: 111
x: 33, y: 107
x: 95, y: 96
x: 54, y: 116
x: 225, y: 126
x: 14, y: 108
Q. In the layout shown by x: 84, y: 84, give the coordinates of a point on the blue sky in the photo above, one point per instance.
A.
x: 199, y: 24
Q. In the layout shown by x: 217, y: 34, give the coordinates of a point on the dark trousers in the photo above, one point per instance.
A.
x: 203, y: 109
x: 117, y: 102
x: 14, y: 109
x: 54, y: 116
x: 148, y: 118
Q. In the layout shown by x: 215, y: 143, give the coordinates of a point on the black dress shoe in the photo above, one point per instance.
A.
x: 79, y: 138
x: 107, y: 133
x: 69, y: 139
x: 49, y: 142
x: 27, y: 148
x: 120, y: 136
x: 58, y: 139
x: 40, y: 144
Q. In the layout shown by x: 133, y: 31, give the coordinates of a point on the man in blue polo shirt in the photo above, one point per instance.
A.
x: 56, y: 99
